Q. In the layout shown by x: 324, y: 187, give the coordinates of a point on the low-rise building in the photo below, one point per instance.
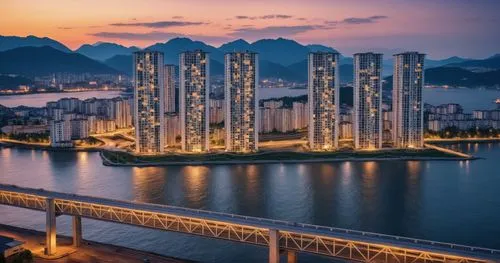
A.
x: 10, y: 246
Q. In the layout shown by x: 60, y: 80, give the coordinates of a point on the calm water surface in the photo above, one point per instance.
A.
x: 40, y: 100
x: 468, y: 98
x: 439, y: 200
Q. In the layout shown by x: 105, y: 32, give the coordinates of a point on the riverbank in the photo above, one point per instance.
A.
x: 61, y: 91
x: 112, y: 158
x: 459, y: 140
x: 89, y: 251
x: 46, y: 147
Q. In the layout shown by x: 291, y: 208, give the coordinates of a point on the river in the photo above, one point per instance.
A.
x: 450, y: 201
x: 470, y: 99
x: 41, y: 99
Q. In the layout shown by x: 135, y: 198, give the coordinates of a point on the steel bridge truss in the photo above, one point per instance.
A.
x: 299, y: 241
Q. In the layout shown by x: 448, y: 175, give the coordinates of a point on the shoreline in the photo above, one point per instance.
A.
x: 88, y: 251
x: 107, y: 162
x: 110, y: 158
x: 300, y: 157
x: 21, y: 145
x: 461, y: 140
x: 56, y: 92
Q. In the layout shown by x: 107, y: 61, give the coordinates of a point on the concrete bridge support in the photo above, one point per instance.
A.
x: 50, y: 227
x: 77, y: 231
x: 291, y: 256
x: 274, y: 246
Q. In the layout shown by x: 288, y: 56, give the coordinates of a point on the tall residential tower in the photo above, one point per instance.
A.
x: 169, y: 93
x: 240, y: 92
x: 407, y: 106
x: 194, y: 75
x: 323, y: 98
x: 367, y: 101
x: 148, y: 101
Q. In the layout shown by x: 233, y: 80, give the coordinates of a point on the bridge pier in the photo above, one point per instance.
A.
x: 77, y: 231
x: 50, y: 227
x: 291, y: 256
x: 274, y: 246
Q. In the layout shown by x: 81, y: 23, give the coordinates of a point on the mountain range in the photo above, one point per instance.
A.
x: 42, y: 61
x: 103, y: 50
x: 491, y: 63
x: 280, y: 58
x: 11, y: 42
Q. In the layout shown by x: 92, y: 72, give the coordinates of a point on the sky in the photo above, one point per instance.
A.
x: 439, y: 28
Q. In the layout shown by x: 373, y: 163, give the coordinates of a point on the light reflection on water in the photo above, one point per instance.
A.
x: 419, y: 199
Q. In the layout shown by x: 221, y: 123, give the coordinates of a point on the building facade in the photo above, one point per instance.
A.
x: 194, y: 84
x: 169, y: 82
x: 240, y: 92
x: 79, y: 129
x: 217, y: 110
x: 148, y: 101
x: 407, y: 105
x: 120, y: 111
x: 60, y: 134
x: 172, y: 129
x: 323, y: 99
x: 367, y: 126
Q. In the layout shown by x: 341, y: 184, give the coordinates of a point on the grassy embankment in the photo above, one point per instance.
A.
x: 393, y: 154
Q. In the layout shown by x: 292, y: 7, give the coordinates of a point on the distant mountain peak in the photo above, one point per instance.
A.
x: 12, y: 42
x: 104, y: 50
x: 45, y: 60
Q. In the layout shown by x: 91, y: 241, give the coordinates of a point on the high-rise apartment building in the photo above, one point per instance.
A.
x: 169, y: 93
x: 323, y: 99
x: 60, y: 133
x: 194, y: 84
x: 407, y: 105
x: 148, y: 101
x: 240, y: 92
x: 367, y: 126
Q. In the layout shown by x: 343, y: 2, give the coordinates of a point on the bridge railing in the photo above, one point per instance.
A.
x: 362, y: 236
x: 280, y: 224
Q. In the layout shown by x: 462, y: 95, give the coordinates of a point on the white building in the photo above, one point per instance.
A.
x: 169, y: 93
x: 148, y: 94
x: 194, y: 75
x: 79, y: 129
x: 121, y: 112
x: 240, y: 92
x: 323, y: 98
x: 367, y: 127
x: 407, y: 106
x: 60, y: 134
x: 300, y: 112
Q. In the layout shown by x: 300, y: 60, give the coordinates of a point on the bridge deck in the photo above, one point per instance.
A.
x: 330, y: 241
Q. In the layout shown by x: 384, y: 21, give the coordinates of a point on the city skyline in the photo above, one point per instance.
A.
x: 469, y: 27
x: 249, y: 131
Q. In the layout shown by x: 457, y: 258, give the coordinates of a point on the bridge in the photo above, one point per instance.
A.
x: 279, y: 236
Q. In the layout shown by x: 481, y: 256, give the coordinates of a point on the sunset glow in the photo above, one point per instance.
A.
x: 466, y: 27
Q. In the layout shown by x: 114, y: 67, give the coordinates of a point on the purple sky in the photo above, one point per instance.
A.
x: 440, y: 28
